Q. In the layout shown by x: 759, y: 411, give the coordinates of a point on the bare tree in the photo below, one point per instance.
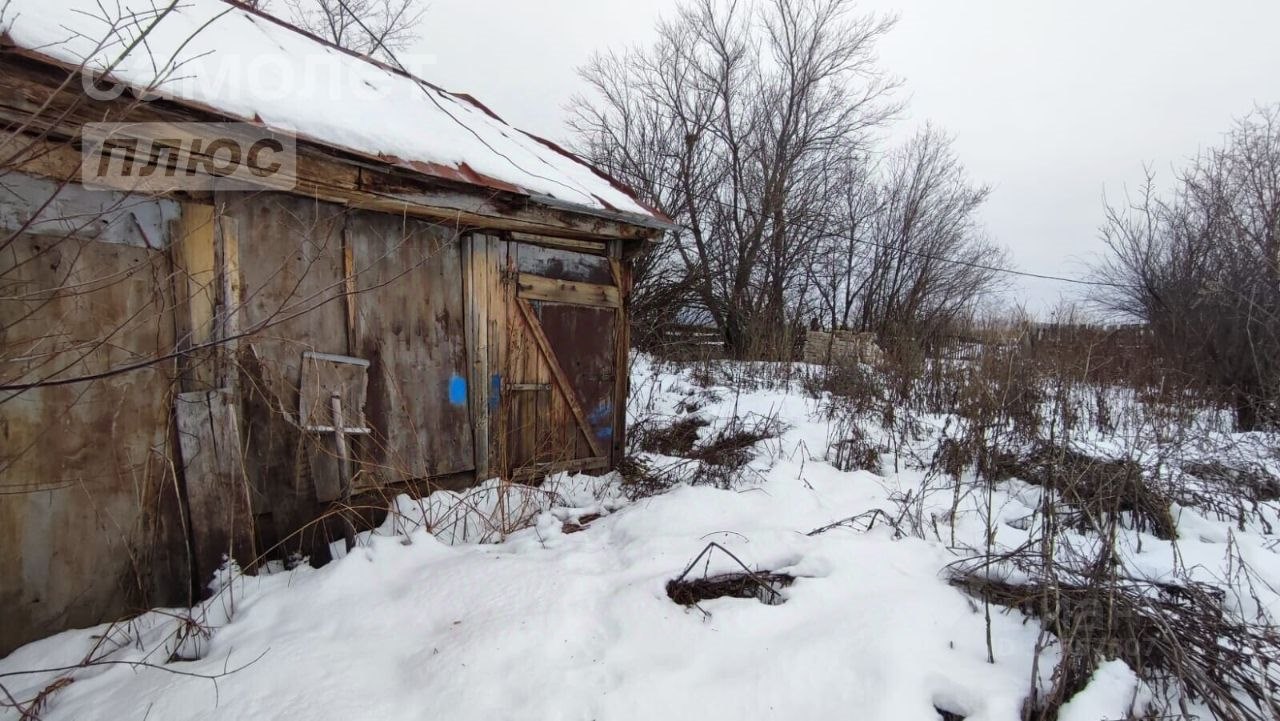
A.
x: 1202, y: 266
x: 735, y: 123
x: 928, y: 260
x: 370, y: 27
x: 841, y: 270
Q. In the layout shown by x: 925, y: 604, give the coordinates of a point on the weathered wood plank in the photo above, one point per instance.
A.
x: 595, y: 247
x: 291, y: 263
x: 477, y: 358
x: 622, y: 356
x: 487, y: 311
x: 499, y: 291
x: 535, y: 287
x: 560, y: 466
x: 217, y: 490
x: 194, y: 254
x: 522, y: 417
x: 350, y: 300
x: 230, y: 298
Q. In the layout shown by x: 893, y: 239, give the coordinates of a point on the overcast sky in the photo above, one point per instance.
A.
x: 1054, y: 103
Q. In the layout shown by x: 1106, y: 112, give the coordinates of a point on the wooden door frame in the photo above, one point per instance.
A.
x: 484, y: 274
x: 620, y: 268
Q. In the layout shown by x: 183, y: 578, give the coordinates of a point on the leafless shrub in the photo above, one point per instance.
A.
x: 853, y: 450
x: 641, y: 480
x: 731, y: 442
x: 1201, y: 267
x: 721, y: 459
x: 1252, y: 480
x: 1016, y: 398
x: 1178, y: 637
x: 154, y: 642
x: 1239, y: 492
x: 671, y: 438
x: 851, y: 383
x: 1099, y: 490
x: 852, y: 397
x: 1004, y: 388
x: 862, y: 522
x: 954, y: 456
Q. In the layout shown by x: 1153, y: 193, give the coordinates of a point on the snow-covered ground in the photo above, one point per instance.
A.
x: 549, y: 624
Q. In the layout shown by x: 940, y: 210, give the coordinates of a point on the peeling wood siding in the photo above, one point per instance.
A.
x: 84, y: 479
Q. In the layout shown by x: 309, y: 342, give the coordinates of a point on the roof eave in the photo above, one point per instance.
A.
x: 619, y: 216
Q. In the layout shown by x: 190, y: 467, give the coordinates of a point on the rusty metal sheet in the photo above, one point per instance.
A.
x: 41, y: 207
x: 409, y: 323
x: 563, y: 264
x: 81, y: 465
x: 583, y: 339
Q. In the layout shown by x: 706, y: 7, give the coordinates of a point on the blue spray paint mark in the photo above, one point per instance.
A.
x: 601, y: 413
x: 458, y: 390
x: 495, y: 390
x: 601, y: 419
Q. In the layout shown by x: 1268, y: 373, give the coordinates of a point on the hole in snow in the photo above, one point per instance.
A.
x: 764, y: 586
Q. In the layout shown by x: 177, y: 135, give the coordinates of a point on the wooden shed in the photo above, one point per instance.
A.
x: 435, y: 299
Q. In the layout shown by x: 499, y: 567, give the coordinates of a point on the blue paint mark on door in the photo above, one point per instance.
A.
x: 495, y: 391
x: 601, y: 420
x: 601, y: 413
x: 458, y: 390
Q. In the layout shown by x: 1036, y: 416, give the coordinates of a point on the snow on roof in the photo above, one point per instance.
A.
x: 252, y: 67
